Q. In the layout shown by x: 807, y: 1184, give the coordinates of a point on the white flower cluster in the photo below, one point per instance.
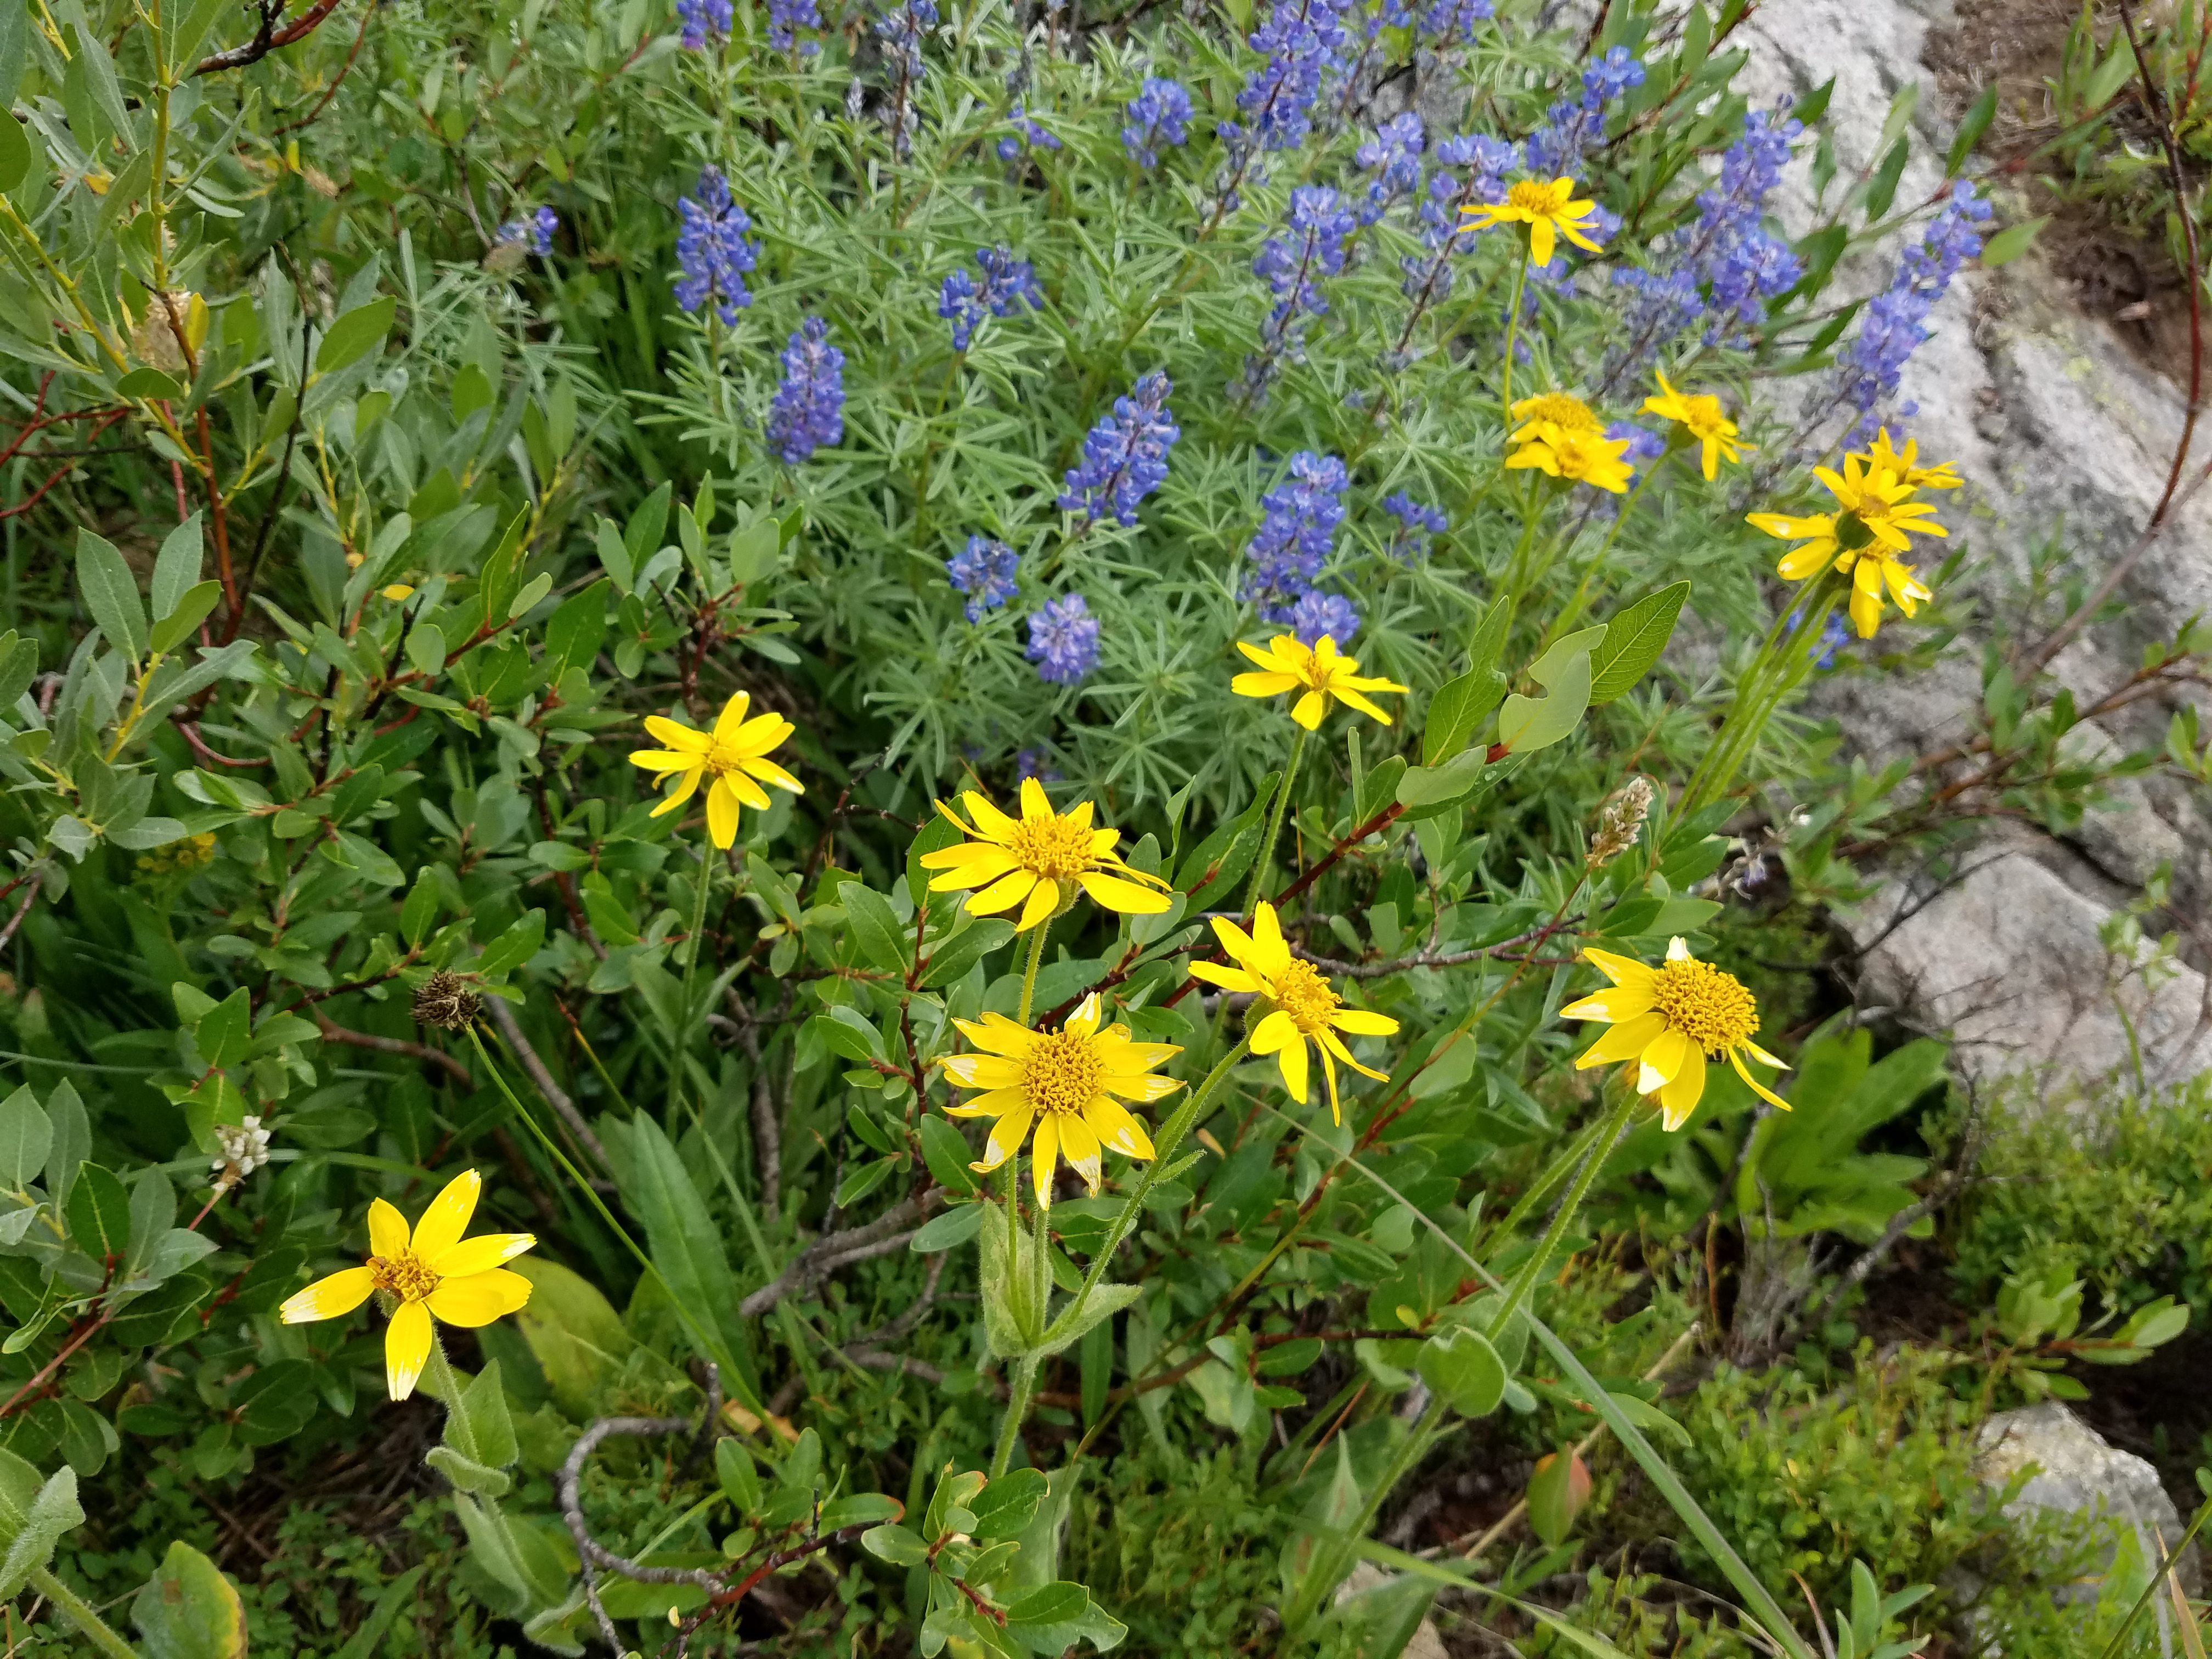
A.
x: 244, y: 1149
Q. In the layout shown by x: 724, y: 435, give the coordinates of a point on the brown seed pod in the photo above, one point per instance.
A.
x: 446, y: 1000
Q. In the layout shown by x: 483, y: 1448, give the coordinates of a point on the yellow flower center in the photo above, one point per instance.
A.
x: 1061, y: 1073
x: 1300, y: 991
x: 1577, y: 454
x: 1709, y: 1007
x: 1566, y: 413
x: 1703, y: 418
x: 1532, y: 196
x: 406, y: 1275
x: 725, y: 758
x: 1057, y: 848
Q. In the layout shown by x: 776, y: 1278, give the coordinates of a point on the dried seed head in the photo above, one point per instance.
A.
x: 446, y: 1000
x: 1620, y: 820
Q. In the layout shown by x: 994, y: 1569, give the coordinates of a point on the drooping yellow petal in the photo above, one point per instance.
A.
x: 1003, y: 894
x: 1079, y: 1145
x: 1043, y: 901
x: 1309, y: 709
x: 329, y: 1297
x: 1292, y: 1062
x: 686, y: 783
x: 1117, y: 1127
x: 1044, y: 1155
x: 769, y: 772
x: 406, y: 1348
x: 1735, y: 1059
x: 1006, y: 1136
x: 479, y: 1299
x: 1678, y: 1097
x: 1277, y: 1030
x: 1623, y: 1042
x: 1125, y: 896
x: 722, y: 813
x: 1541, y: 241
x: 1662, y: 1059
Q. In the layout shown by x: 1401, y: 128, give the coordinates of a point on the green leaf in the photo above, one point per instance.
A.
x: 19, y: 666
x: 740, y: 1481
x: 1556, y: 1495
x: 1212, y: 867
x: 641, y: 534
x: 514, y: 947
x: 952, y: 958
x: 1528, y: 724
x: 482, y: 1429
x: 1425, y: 785
x: 225, y: 1032
x: 1882, y: 191
x: 1459, y: 707
x: 1976, y: 122
x: 946, y: 1152
x: 875, y: 928
x: 956, y: 1226
x: 575, y: 634
x: 99, y: 1214
x: 1633, y: 642
x: 1461, y: 1365
x: 1645, y: 1415
x: 686, y: 1248
x: 32, y: 1518
x: 177, y: 568
x: 177, y: 626
x: 25, y: 1133
x: 111, y: 593
x: 15, y: 143
x: 420, y: 909
x: 1007, y: 1502
x: 2011, y: 242
x: 899, y: 1545
x: 355, y: 334
x: 1106, y: 1301
x: 575, y: 1335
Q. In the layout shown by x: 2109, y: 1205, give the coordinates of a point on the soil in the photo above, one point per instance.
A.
x: 2114, y: 270
x: 2160, y: 1411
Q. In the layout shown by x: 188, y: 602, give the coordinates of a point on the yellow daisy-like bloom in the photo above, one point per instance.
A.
x: 1301, y: 1006
x: 435, y: 1273
x: 1876, y: 521
x: 1069, y: 1082
x: 1552, y: 412
x: 1671, y: 1019
x: 1907, y: 465
x: 734, y: 754
x: 1702, y: 420
x: 1287, y: 666
x: 1550, y: 211
x: 1589, y: 458
x: 1038, y: 861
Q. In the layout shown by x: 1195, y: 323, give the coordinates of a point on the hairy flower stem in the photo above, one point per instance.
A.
x: 1785, y: 657
x: 1601, y: 1148
x: 691, y: 968
x: 1267, y: 853
x: 1030, y: 972
x: 78, y: 1612
x: 1018, y: 1390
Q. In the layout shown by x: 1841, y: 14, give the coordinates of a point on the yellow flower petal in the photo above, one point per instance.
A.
x: 1662, y: 1059
x: 1678, y: 1097
x: 1125, y: 896
x: 479, y: 1299
x: 330, y: 1297
x: 447, y: 1217
x: 406, y: 1348
x: 1006, y: 1136
x: 1623, y: 1042
x: 1117, y: 1127
x: 1044, y: 1155
x: 481, y: 1254
x: 1043, y: 901
x: 387, y: 1229
x: 722, y: 813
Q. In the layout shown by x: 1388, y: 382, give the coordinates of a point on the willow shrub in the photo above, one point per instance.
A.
x: 412, y: 400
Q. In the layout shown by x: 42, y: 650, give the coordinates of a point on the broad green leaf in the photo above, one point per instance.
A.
x: 875, y: 928
x: 177, y: 568
x: 32, y: 1517
x: 1971, y: 129
x: 948, y: 1155
x: 189, y: 1610
x: 177, y: 626
x: 110, y: 594
x: 1556, y: 1495
x: 14, y: 141
x: 99, y: 1214
x: 355, y: 334
x: 2011, y: 242
x: 1528, y: 724
x: 577, y: 1338
x: 956, y: 1226
x: 224, y: 1033
x: 740, y: 1480
x: 1634, y: 641
x: 25, y: 1133
x: 1459, y: 707
x: 1461, y: 1365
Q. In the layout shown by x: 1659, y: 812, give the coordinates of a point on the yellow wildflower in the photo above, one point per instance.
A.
x: 1299, y: 1005
x: 1907, y: 466
x: 734, y: 754
x: 1287, y: 665
x: 1549, y: 413
x: 1670, y: 1020
x: 1876, y: 520
x: 435, y: 1273
x: 1065, y: 1082
x: 1548, y: 210
x: 1589, y: 458
x: 1038, y: 860
x: 1702, y: 420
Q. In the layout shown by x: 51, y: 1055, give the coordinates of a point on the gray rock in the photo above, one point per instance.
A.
x: 2072, y: 1471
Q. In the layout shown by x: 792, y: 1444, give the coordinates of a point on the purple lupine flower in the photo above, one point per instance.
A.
x: 1035, y: 763
x: 1063, y: 640
x: 1897, y: 320
x: 1317, y: 614
x: 713, y: 250
x: 1007, y: 284
x: 902, y: 31
x: 1835, y: 635
x: 1292, y: 267
x: 1447, y: 21
x: 1125, y: 456
x: 703, y: 21
x: 1394, y: 156
x: 1644, y: 447
x: 1301, y: 40
x: 1416, y: 522
x: 1573, y: 127
x: 985, y: 571
x: 786, y: 18
x: 1032, y: 135
x: 808, y: 410
x: 1298, y: 532
x: 533, y: 233
x: 1159, y: 117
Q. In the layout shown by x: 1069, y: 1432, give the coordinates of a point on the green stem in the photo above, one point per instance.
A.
x: 1267, y: 853
x: 1525, y: 1280
x: 1030, y: 972
x: 78, y: 1612
x: 1018, y: 1406
x: 1326, y: 1568
x: 1512, y: 336
x: 679, y: 1051
x: 1565, y: 619
x: 1187, y: 1117
x: 1784, y: 658
x: 738, y: 1384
